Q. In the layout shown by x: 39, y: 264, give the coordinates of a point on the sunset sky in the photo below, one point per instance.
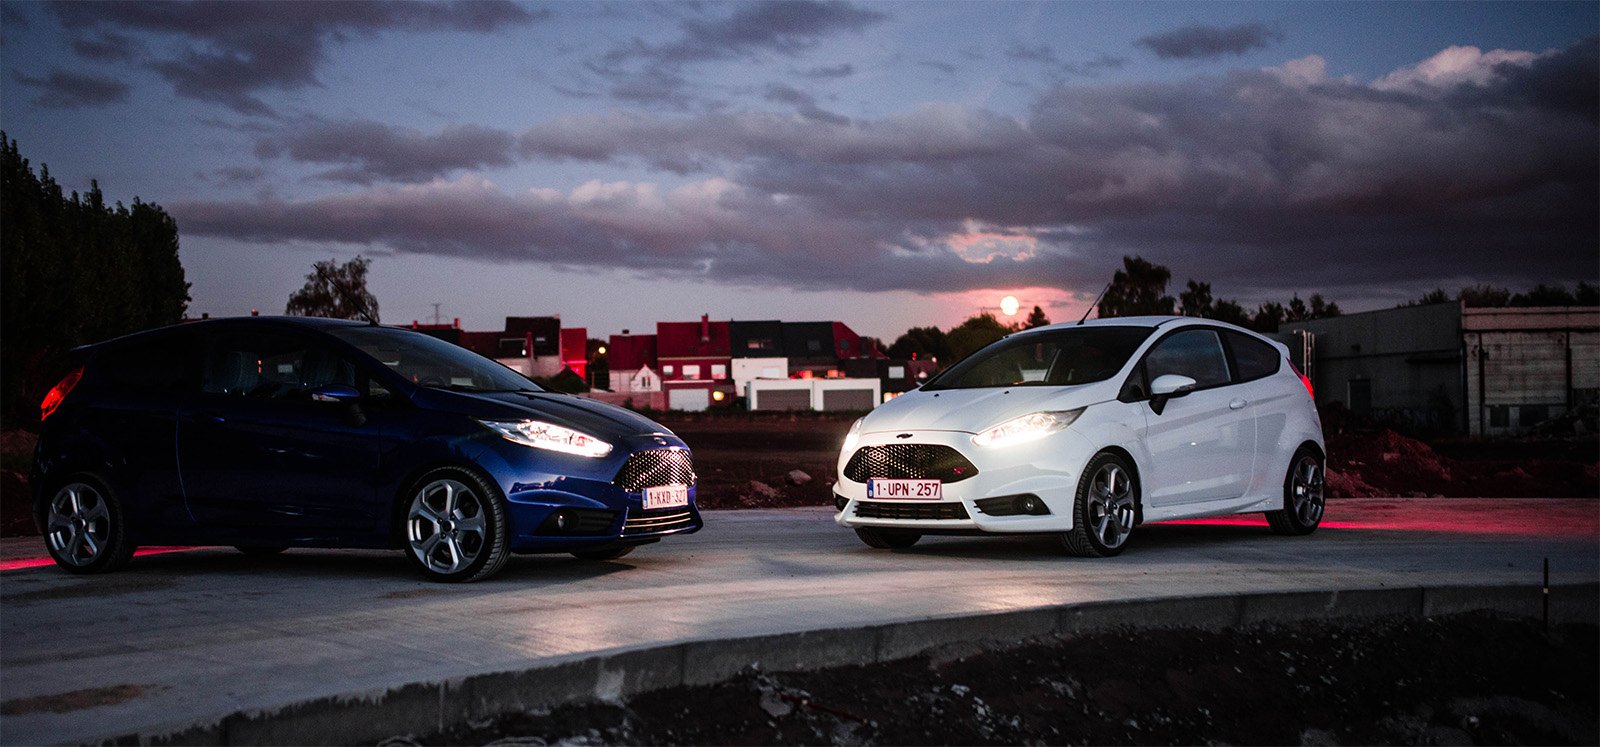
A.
x: 883, y: 164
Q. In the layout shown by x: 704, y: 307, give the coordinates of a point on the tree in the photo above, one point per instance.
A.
x: 1137, y: 290
x: 1321, y: 309
x: 1545, y: 295
x: 336, y: 292
x: 922, y: 343
x: 974, y: 333
x: 1232, y: 313
x: 1485, y: 296
x: 1036, y: 319
x: 74, y: 270
x: 1268, y: 317
x: 1196, y: 300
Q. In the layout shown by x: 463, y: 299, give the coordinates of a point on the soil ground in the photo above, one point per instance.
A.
x: 1468, y: 679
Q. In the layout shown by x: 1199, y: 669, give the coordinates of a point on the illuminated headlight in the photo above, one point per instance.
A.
x: 553, y: 437
x: 854, y: 436
x: 1027, y: 428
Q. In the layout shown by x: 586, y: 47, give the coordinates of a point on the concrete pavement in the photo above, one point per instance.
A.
x: 211, y: 646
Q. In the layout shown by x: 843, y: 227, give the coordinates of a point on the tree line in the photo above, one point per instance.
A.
x: 1138, y: 289
x: 74, y: 270
x: 1490, y: 297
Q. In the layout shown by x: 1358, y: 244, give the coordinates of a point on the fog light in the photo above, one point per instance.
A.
x: 840, y: 501
x: 563, y: 521
x: 1027, y: 504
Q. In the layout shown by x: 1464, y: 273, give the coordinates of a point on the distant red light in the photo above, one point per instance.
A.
x: 58, y: 393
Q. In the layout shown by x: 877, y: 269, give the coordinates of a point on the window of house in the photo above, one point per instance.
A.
x: 760, y: 343
x: 719, y: 371
x: 897, y: 372
x: 691, y: 371
x: 667, y: 369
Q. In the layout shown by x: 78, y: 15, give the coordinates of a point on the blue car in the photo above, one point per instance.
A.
x: 269, y: 433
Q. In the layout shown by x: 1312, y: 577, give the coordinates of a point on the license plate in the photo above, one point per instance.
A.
x: 666, y: 496
x: 905, y: 490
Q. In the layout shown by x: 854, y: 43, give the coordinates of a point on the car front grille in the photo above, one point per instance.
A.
x: 654, y: 468
x: 657, y: 521
x: 909, y: 462
x: 910, y: 511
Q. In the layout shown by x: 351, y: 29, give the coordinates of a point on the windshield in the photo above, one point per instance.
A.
x: 1065, y: 357
x: 433, y: 362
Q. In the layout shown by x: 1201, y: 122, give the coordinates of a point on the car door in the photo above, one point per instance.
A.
x: 1203, y: 444
x: 260, y: 456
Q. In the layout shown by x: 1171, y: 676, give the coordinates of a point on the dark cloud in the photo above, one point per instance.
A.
x: 1204, y: 42
x: 1044, y: 54
x: 1280, y: 178
x: 841, y: 70
x: 67, y: 90
x: 805, y: 105
x: 368, y: 152
x: 789, y: 28
x: 232, y: 51
x: 107, y: 47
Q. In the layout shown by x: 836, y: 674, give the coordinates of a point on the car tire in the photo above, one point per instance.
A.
x: 887, y: 539
x: 607, y: 554
x: 255, y: 551
x: 1304, y: 496
x: 85, y: 526
x: 455, y: 528
x: 1105, y: 509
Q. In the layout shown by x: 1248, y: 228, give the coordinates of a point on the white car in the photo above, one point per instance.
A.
x: 1088, y: 430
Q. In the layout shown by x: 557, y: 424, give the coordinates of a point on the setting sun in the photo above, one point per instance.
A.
x: 1009, y: 305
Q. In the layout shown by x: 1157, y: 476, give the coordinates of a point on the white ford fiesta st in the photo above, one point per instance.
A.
x: 1088, y: 430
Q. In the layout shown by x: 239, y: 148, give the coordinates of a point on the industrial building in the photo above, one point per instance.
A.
x: 1444, y: 367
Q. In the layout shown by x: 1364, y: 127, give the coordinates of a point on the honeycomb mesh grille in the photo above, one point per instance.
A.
x: 654, y: 468
x: 911, y: 511
x: 909, y: 462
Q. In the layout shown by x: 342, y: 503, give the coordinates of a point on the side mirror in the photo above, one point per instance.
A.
x: 335, y: 393
x: 1166, y: 387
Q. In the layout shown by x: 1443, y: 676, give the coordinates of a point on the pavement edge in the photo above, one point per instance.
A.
x: 612, y: 676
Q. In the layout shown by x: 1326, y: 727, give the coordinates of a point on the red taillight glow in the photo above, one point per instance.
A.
x: 58, y: 393
x: 1303, y: 379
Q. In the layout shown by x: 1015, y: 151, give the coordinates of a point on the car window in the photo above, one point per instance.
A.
x: 431, y: 362
x: 1255, y: 359
x: 164, y: 364
x: 271, y: 365
x: 1062, y: 357
x: 1195, y: 353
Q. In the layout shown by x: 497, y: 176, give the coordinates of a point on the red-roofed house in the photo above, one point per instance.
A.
x: 694, y: 358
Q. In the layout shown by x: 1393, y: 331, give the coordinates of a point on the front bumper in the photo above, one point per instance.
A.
x: 561, y: 503
x: 1047, y: 469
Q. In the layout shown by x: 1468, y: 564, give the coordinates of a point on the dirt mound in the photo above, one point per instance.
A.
x: 1385, y: 463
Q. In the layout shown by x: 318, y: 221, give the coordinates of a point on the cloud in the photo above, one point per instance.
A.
x: 368, y: 152
x: 230, y: 52
x: 805, y: 105
x: 788, y: 27
x: 61, y: 89
x: 1282, y: 173
x: 1454, y: 67
x: 1207, y: 42
x: 841, y: 70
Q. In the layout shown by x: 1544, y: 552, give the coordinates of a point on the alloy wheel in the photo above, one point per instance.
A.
x: 78, y: 525
x: 1110, y: 506
x: 1306, y: 491
x: 446, y: 527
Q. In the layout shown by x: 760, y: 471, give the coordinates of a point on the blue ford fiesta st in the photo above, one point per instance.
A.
x: 270, y: 433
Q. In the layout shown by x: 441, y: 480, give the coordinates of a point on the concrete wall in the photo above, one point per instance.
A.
x: 1395, y: 363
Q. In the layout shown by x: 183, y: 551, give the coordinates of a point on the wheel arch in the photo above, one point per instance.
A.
x: 399, y: 502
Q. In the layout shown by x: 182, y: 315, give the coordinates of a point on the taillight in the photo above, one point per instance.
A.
x: 58, y: 393
x: 1303, y: 379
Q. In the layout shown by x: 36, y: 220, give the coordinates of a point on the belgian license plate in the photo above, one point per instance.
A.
x: 905, y: 490
x: 666, y: 496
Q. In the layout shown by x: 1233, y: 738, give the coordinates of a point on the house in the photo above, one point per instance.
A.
x: 694, y: 359
x: 634, y: 367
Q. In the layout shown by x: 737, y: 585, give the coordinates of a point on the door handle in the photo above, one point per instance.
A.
x: 1238, y: 403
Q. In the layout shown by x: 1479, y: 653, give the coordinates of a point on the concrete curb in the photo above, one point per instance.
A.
x: 421, y: 708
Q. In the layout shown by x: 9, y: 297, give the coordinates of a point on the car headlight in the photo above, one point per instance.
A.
x: 1031, y: 427
x: 852, y: 437
x: 547, y: 436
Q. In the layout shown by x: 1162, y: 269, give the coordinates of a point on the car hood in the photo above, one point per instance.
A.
x: 974, y: 410
x: 593, y: 417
